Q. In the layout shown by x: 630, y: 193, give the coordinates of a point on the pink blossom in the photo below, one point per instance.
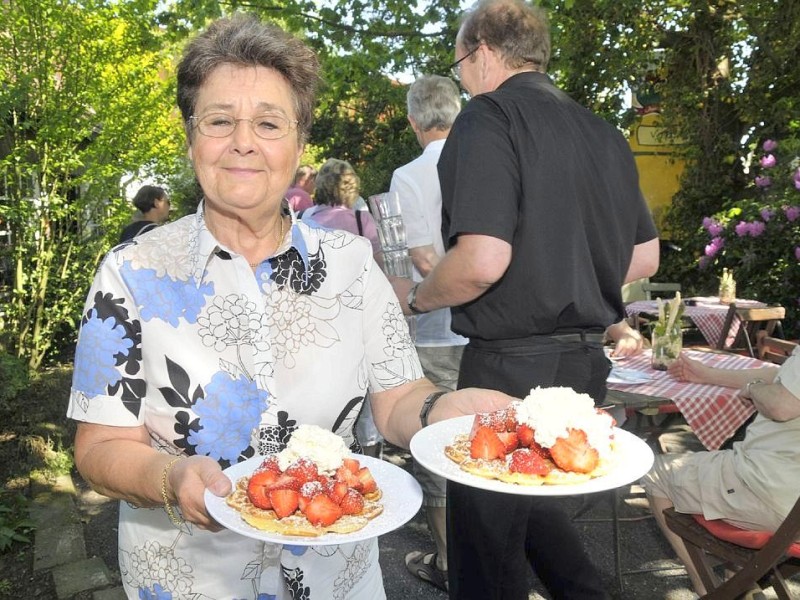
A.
x: 768, y: 161
x: 714, y: 246
x: 715, y: 229
x: 796, y: 178
x: 769, y: 145
x: 704, y: 262
x: 763, y: 181
x: 742, y: 228
x: 767, y: 214
x: 707, y: 221
x: 792, y: 212
x: 757, y: 228
x: 797, y: 252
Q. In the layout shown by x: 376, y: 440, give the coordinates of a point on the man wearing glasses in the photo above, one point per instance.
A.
x: 544, y: 222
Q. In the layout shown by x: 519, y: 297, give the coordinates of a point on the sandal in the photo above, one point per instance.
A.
x: 424, y: 567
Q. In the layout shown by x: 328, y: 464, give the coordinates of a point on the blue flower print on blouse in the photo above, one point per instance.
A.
x: 95, y: 360
x: 157, y: 593
x: 229, y: 412
x: 163, y: 297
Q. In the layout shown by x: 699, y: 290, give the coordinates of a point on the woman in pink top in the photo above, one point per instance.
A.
x: 337, y: 191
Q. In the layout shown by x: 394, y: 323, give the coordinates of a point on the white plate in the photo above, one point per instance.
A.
x: 401, y: 500
x: 623, y: 376
x: 634, y: 460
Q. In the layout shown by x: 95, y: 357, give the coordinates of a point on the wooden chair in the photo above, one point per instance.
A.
x: 772, y: 349
x: 761, y: 557
x: 753, y: 320
x: 660, y: 290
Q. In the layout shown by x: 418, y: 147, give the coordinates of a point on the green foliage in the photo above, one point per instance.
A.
x: 15, y: 525
x: 758, y: 237
x: 13, y: 377
x: 83, y: 103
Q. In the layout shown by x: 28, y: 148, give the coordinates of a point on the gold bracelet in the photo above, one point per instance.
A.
x: 176, y: 520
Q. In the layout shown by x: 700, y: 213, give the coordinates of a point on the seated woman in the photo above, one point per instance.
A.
x: 753, y: 485
x: 335, y: 197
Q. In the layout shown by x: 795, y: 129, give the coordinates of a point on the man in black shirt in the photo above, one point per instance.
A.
x: 544, y: 222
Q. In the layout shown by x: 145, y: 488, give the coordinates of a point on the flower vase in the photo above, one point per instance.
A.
x: 666, y: 346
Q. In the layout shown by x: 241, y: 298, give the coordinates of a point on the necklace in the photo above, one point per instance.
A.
x: 278, y: 240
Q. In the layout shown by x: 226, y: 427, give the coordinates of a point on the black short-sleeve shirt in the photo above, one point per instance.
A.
x: 528, y: 165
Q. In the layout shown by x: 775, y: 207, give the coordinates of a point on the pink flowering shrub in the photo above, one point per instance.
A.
x: 758, y: 238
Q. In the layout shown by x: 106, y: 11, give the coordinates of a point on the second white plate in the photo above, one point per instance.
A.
x: 634, y: 460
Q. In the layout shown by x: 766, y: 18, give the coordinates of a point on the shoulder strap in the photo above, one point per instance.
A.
x: 358, y: 223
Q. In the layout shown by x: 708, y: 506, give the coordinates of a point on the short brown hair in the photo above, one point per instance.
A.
x: 518, y: 31
x: 245, y: 41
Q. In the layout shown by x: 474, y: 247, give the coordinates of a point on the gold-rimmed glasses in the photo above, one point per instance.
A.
x: 269, y: 126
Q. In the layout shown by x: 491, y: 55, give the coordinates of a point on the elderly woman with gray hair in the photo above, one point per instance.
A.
x: 214, y: 337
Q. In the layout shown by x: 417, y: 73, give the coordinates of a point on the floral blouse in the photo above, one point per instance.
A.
x: 180, y: 335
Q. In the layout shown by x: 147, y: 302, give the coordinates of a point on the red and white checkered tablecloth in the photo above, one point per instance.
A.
x: 713, y: 412
x: 706, y: 312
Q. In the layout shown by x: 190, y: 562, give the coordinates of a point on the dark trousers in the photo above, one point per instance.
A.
x: 493, y: 539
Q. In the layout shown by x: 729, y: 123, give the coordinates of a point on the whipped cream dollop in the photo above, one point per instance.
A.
x: 550, y: 412
x: 326, y: 449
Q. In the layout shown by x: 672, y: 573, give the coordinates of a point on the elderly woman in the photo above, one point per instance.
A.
x: 214, y: 337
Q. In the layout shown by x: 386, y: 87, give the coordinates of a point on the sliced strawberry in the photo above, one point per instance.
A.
x: 573, y: 452
x: 352, y: 503
x: 271, y: 464
x: 258, y: 488
x: 510, y: 440
x: 366, y: 481
x: 540, y: 450
x: 352, y: 464
x: 322, y: 511
x: 344, y: 474
x: 303, y: 470
x: 524, y: 435
x: 511, y: 418
x: 494, y: 420
x: 486, y: 445
x: 286, y: 482
x: 336, y: 490
x: 284, y: 502
x: 528, y: 462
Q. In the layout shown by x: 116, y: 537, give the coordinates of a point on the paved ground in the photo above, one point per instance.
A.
x: 76, y: 545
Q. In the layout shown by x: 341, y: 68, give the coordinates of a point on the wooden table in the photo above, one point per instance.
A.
x: 706, y: 312
x: 713, y: 412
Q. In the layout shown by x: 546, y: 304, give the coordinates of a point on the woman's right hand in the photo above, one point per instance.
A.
x: 188, y: 480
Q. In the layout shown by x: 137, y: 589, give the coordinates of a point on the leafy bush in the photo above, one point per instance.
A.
x: 758, y: 237
x: 15, y: 525
x: 13, y: 377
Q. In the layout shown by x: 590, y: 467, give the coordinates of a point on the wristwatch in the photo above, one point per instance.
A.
x: 750, y: 384
x: 411, y: 300
x: 428, y: 405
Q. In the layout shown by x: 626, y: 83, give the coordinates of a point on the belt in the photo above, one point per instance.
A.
x: 595, y: 338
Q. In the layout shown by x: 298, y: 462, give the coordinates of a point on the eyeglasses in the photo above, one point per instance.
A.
x: 455, y: 68
x: 268, y: 126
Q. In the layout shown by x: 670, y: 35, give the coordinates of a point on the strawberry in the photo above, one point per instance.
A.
x: 510, y: 440
x: 271, y: 464
x: 344, y: 474
x: 336, y: 490
x: 322, y: 511
x: 486, y: 445
x: 286, y: 482
x: 258, y: 488
x: 303, y: 470
x: 495, y: 421
x: 573, y: 452
x: 308, y: 491
x: 528, y: 462
x: 540, y: 450
x: 524, y: 435
x: 366, y: 481
x: 352, y: 464
x: 352, y: 503
x: 284, y: 502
